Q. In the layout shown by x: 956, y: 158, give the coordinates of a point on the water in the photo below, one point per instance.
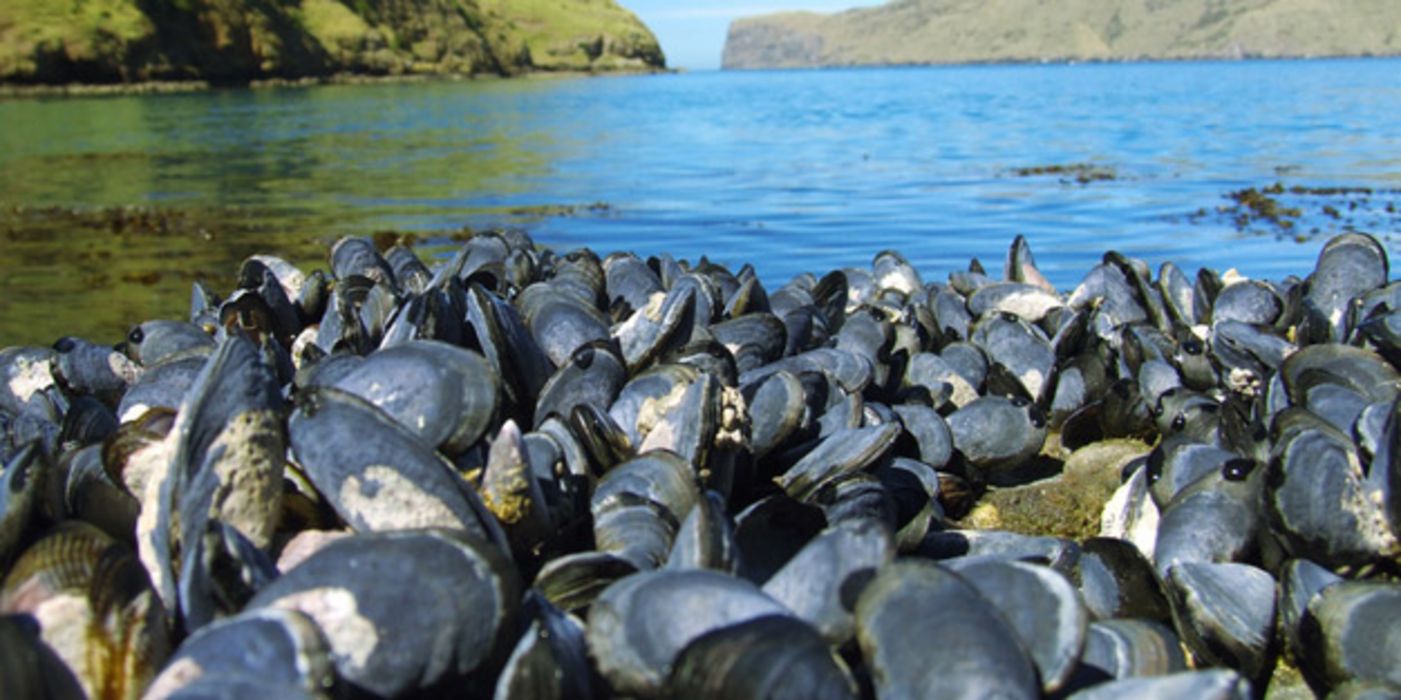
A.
x: 790, y: 171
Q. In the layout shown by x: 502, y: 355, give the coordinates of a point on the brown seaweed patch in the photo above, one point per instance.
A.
x: 1303, y: 212
x: 1076, y: 173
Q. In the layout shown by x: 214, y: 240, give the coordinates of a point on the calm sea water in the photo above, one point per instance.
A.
x: 790, y: 171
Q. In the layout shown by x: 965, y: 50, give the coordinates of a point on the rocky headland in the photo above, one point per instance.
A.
x: 913, y: 32
x: 58, y: 42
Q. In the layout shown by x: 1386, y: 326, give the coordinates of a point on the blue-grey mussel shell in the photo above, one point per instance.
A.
x: 442, y: 393
x: 1351, y: 630
x: 820, y: 581
x: 378, y: 475
x: 1225, y: 614
x: 1213, y: 684
x: 640, y: 624
x: 1043, y: 608
x: 774, y: 658
x: 270, y: 652
x: 229, y: 430
x: 911, y: 602
x: 464, y: 603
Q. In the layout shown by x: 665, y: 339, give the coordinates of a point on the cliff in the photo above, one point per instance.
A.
x: 119, y: 41
x: 964, y: 31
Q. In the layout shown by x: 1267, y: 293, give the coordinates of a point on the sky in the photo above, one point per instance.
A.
x: 692, y: 32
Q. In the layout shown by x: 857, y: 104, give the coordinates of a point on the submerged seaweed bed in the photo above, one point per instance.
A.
x: 535, y: 473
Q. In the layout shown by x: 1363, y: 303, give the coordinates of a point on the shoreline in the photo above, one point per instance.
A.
x: 179, y: 87
x: 1067, y: 61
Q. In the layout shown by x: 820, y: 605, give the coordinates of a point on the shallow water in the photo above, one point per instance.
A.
x: 792, y: 171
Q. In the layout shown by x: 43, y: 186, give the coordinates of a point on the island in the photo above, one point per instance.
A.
x: 917, y: 32
x: 58, y: 42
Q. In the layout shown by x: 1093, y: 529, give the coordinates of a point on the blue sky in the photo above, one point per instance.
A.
x: 693, y: 33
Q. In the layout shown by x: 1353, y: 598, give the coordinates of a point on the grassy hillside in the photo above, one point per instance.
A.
x: 957, y: 31
x: 60, y: 41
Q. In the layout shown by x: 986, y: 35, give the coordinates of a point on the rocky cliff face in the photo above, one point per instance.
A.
x: 105, y: 41
x: 960, y: 31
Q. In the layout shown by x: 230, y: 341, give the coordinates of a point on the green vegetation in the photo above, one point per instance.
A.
x: 127, y: 41
x: 960, y: 31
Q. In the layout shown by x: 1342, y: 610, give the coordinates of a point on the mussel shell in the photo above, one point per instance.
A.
x: 1127, y: 648
x: 1117, y: 581
x: 1348, y: 265
x: 706, y: 539
x: 1248, y: 301
x: 1317, y: 499
x: 639, y: 625
x: 768, y: 657
x: 1043, y: 608
x: 777, y: 407
x: 907, y: 601
x: 550, y: 661
x: 593, y: 375
x: 843, y: 452
x: 1350, y: 629
x: 444, y: 394
x: 1021, y: 350
x: 279, y: 652
x: 163, y: 385
x: 29, y: 668
x: 378, y: 475
x: 465, y: 598
x: 1213, y: 684
x: 998, y: 435
x: 1300, y: 581
x: 153, y: 342
x: 754, y: 339
x: 819, y: 583
x: 1225, y: 614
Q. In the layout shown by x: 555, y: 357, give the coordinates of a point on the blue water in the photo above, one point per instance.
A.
x: 792, y: 171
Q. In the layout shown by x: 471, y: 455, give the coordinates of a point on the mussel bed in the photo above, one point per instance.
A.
x: 521, y: 472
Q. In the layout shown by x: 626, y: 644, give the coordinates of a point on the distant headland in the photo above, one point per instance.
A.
x: 989, y: 31
x: 133, y: 42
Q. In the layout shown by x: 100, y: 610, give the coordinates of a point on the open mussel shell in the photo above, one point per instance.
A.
x: 768, y: 657
x: 1225, y: 614
x: 1043, y: 608
x: 910, y: 600
x: 1351, y: 629
x: 269, y: 652
x: 378, y: 475
x: 466, y: 595
x: 640, y: 624
x: 1213, y: 684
